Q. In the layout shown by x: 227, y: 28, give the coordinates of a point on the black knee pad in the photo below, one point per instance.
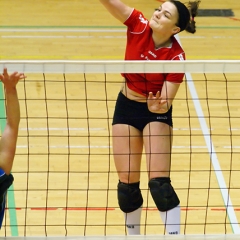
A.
x: 129, y: 197
x: 163, y: 193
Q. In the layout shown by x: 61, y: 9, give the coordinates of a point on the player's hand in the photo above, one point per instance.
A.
x: 12, y: 79
x: 155, y: 103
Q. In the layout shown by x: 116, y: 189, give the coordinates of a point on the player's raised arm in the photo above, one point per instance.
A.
x: 9, y: 136
x: 118, y: 9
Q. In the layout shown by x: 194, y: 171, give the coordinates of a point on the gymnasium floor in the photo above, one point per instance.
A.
x: 63, y: 190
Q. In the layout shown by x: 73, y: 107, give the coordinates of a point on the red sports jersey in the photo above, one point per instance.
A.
x: 140, y: 46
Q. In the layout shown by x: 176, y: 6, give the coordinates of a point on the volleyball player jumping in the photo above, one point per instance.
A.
x: 9, y: 136
x: 143, y: 111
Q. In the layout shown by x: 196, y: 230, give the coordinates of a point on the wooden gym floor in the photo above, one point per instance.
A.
x: 60, y: 182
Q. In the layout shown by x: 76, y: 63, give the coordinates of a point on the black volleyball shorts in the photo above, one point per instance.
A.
x: 137, y: 114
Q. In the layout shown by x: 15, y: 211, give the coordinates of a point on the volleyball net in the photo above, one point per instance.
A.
x: 65, y: 178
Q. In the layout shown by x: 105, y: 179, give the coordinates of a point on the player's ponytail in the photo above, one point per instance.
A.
x: 193, y: 9
x: 186, y: 15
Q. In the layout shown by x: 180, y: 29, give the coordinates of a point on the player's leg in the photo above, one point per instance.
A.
x: 127, y: 150
x: 158, y: 144
x: 5, y: 182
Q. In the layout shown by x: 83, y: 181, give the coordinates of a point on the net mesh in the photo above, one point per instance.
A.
x: 65, y: 178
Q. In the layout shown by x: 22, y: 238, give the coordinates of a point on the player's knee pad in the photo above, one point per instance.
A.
x: 163, y: 193
x: 129, y: 197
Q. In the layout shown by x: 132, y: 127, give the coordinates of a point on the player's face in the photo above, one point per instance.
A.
x: 164, y: 19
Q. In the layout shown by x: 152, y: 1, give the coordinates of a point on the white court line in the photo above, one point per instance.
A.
x: 87, y: 30
x: 55, y: 36
x: 216, y: 166
x: 82, y: 30
x: 71, y: 36
x: 231, y: 147
x: 62, y: 30
x: 64, y: 146
x: 97, y: 146
x: 98, y: 129
x: 62, y: 129
x: 93, y: 129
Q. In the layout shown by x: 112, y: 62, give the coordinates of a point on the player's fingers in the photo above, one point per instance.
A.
x: 17, y: 75
x: 150, y: 95
x: 5, y: 72
x: 14, y: 75
x: 22, y: 76
x: 158, y: 94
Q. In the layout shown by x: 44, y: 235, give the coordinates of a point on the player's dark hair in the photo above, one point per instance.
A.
x: 186, y: 15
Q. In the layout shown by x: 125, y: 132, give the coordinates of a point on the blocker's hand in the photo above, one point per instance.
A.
x: 12, y: 79
x: 155, y: 103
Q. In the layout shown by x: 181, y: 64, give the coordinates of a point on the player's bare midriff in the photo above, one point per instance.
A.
x: 132, y: 95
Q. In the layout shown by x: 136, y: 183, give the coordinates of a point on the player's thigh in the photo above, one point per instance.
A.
x: 158, y: 143
x: 127, y: 150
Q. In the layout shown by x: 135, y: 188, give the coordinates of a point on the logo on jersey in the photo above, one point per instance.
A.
x: 162, y: 117
x: 142, y: 20
x: 151, y: 53
x: 181, y: 57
